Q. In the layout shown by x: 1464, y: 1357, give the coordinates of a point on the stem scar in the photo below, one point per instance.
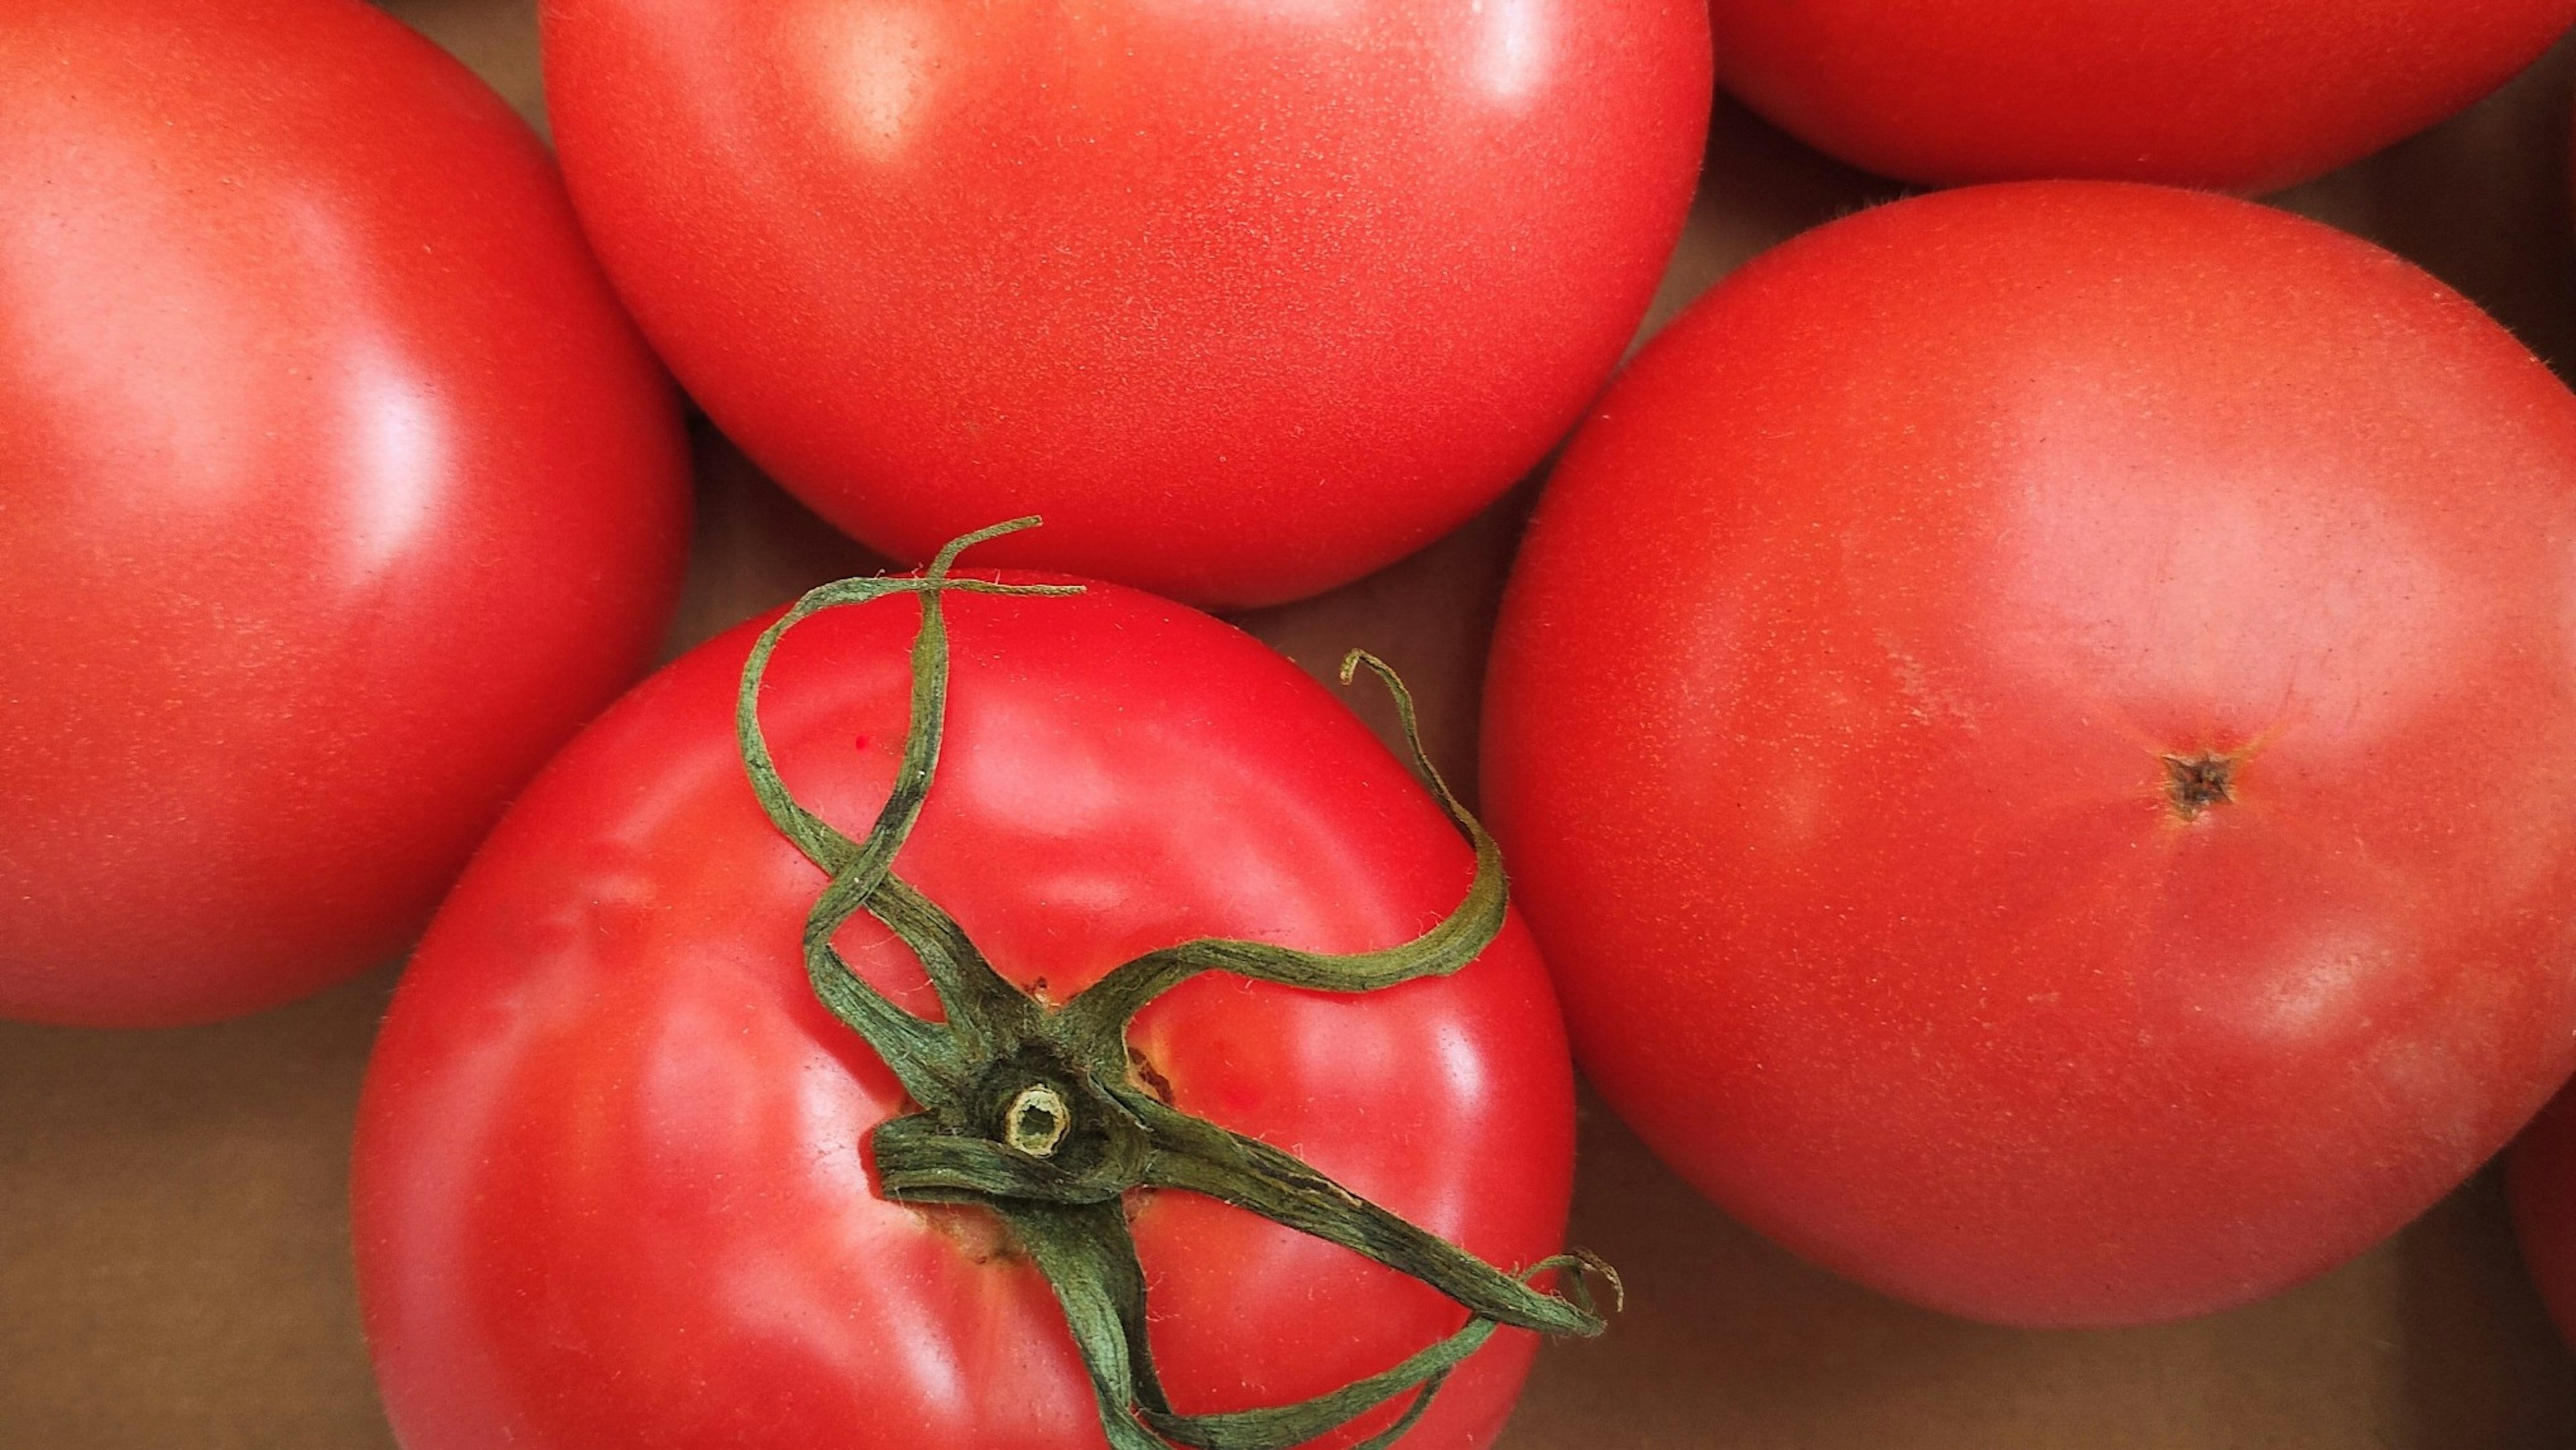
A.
x: 2196, y: 782
x: 1037, y: 1120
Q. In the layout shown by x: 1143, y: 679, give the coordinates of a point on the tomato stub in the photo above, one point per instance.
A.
x: 2541, y: 1180
x: 617, y: 1178
x: 2037, y: 726
x: 2248, y: 95
x: 336, y: 492
x: 1245, y: 299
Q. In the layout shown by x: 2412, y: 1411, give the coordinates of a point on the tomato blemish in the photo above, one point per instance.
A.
x: 1149, y: 1077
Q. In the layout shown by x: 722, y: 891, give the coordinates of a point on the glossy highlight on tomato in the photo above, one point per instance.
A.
x: 335, y: 492
x: 2037, y: 726
x: 1246, y: 299
x: 2244, y: 95
x: 610, y: 1184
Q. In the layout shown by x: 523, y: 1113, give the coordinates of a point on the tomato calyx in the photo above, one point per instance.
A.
x: 1047, y: 1116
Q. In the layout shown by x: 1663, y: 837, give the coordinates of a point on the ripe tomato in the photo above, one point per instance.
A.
x: 334, y: 492
x: 2542, y: 1181
x: 2038, y: 728
x: 1245, y: 299
x: 2242, y: 94
x: 610, y: 1184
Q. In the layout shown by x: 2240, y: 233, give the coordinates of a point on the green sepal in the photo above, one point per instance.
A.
x: 1061, y: 1188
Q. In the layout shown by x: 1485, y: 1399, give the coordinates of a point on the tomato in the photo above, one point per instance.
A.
x: 2037, y: 727
x: 610, y: 1184
x: 1247, y: 300
x: 334, y: 493
x: 2542, y: 1181
x: 2246, y: 95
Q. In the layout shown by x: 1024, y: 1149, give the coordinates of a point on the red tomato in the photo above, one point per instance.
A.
x: 334, y: 493
x: 609, y: 1184
x: 2243, y: 94
x: 2038, y: 727
x: 2542, y: 1180
x: 1246, y: 299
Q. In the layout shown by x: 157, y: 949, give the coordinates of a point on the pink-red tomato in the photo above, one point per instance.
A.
x: 335, y: 492
x: 2245, y: 95
x: 2541, y: 1176
x: 2037, y: 726
x: 1246, y: 299
x: 610, y: 1188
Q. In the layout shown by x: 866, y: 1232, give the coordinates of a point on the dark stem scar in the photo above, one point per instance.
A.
x: 2196, y: 782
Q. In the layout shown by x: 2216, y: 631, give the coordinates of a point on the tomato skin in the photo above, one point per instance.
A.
x: 2541, y: 1179
x: 335, y: 492
x: 1826, y: 721
x: 609, y: 1188
x: 1245, y: 300
x: 2244, y: 95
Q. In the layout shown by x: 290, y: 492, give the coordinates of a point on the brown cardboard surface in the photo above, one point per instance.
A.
x: 173, y: 1242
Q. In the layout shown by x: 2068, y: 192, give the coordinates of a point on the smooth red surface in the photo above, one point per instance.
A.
x: 609, y: 1183
x: 2542, y: 1178
x: 334, y: 493
x: 1826, y: 728
x: 2246, y: 95
x: 1246, y: 299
